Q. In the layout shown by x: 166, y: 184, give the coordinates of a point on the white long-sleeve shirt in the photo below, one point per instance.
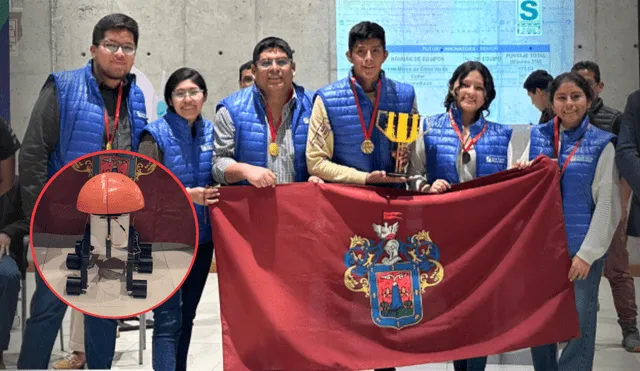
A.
x: 605, y: 190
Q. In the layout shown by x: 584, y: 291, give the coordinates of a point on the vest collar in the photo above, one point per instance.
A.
x: 129, y: 79
x: 578, y: 132
x: 259, y: 97
x: 180, y: 126
x: 359, y: 87
x: 475, y: 128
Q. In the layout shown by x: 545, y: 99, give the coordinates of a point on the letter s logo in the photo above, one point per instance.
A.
x: 529, y: 10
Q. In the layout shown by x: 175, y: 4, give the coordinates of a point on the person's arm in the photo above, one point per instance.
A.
x: 149, y: 147
x: 418, y: 161
x: 16, y: 230
x: 226, y: 170
x: 40, y: 140
x: 7, y: 174
x: 224, y: 147
x: 17, y: 226
x: 606, y: 215
x: 627, y: 156
x: 617, y: 121
x: 510, y: 160
x: 320, y: 151
x: 625, y: 196
x: 9, y: 145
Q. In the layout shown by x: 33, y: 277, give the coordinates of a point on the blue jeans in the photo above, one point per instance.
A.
x: 167, y: 319
x: 471, y: 364
x: 191, y: 294
x: 578, y: 354
x: 173, y: 320
x: 99, y: 342
x: 9, y: 289
x: 47, y: 312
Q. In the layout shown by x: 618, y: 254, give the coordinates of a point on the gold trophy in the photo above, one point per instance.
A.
x: 402, y: 129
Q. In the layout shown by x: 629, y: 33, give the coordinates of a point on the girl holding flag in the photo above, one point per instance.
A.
x: 461, y: 145
x: 591, y: 203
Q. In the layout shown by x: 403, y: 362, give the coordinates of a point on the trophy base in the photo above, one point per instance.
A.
x: 397, y: 175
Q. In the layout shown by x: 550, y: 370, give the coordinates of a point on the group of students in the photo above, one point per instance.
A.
x: 276, y: 131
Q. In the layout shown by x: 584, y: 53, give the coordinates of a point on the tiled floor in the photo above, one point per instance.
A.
x: 206, y: 348
x: 106, y: 294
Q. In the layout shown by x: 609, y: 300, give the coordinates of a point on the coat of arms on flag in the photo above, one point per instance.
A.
x: 115, y: 161
x: 392, y: 273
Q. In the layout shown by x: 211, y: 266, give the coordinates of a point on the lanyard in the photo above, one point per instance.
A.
x: 556, y: 144
x: 473, y: 141
x: 110, y: 136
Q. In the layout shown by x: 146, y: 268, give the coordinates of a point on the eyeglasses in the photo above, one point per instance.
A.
x: 112, y: 47
x: 182, y: 94
x: 267, y: 63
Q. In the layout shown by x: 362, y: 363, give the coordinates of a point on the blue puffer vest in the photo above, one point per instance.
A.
x: 442, y: 145
x: 577, y: 196
x: 251, y: 128
x: 342, y: 111
x: 82, y: 115
x: 188, y: 157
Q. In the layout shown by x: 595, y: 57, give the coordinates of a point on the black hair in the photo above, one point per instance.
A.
x: 270, y: 43
x: 116, y: 21
x: 538, y: 79
x: 573, y: 77
x: 365, y: 31
x: 180, y: 75
x: 461, y: 73
x: 244, y: 66
x: 589, y: 66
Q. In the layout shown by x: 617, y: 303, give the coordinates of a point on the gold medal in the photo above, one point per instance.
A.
x: 367, y: 147
x: 108, y: 146
x: 274, y: 149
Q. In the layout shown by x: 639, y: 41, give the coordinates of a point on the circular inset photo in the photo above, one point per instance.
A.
x: 114, y: 234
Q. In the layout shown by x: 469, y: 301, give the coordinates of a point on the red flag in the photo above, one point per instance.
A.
x: 309, y: 281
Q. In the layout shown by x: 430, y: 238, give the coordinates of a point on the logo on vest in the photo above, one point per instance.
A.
x: 206, y: 147
x: 583, y: 158
x: 141, y: 115
x: 306, y: 120
x: 495, y: 160
x: 393, y: 274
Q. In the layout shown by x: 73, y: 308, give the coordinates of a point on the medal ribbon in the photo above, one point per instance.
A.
x: 110, y: 136
x: 273, y: 128
x: 366, y: 132
x: 466, y: 148
x: 556, y: 144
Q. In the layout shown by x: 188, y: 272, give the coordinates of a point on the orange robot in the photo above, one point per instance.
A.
x: 111, y: 196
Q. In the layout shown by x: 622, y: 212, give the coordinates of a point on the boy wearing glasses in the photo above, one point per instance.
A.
x: 344, y: 146
x: 78, y: 112
x: 261, y: 131
x: 616, y: 268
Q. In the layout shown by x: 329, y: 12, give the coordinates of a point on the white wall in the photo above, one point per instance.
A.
x: 215, y: 37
